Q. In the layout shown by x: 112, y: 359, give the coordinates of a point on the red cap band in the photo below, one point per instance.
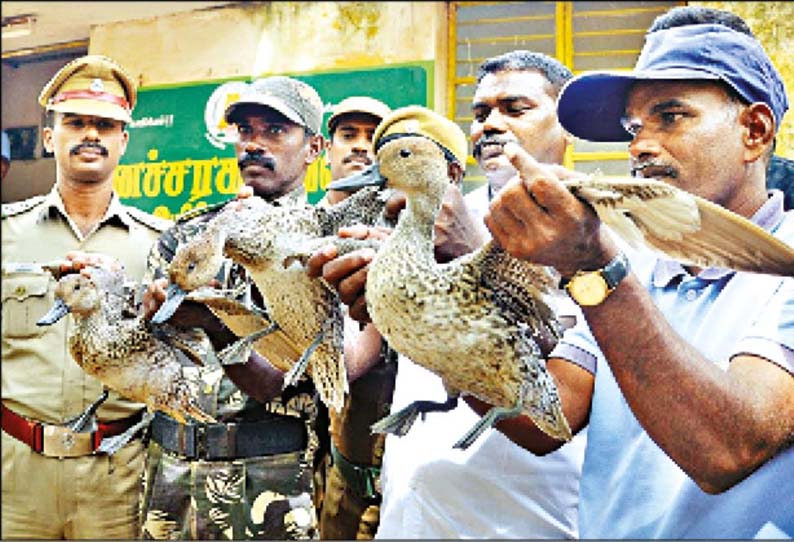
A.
x: 90, y: 95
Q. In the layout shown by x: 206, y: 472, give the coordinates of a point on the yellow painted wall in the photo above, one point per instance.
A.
x: 263, y: 38
x: 773, y: 25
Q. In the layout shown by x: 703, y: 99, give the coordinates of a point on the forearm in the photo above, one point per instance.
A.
x: 575, y: 389
x: 362, y: 350
x: 256, y: 378
x: 717, y: 425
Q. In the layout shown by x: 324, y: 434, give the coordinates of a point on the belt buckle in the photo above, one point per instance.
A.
x: 60, y: 441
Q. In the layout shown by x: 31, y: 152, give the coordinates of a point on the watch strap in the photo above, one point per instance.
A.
x: 616, y: 270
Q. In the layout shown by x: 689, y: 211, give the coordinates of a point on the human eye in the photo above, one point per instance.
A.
x: 517, y: 108
x: 74, y: 122
x: 480, y: 114
x: 105, y: 124
x: 669, y: 118
x: 276, y: 129
x: 244, y: 130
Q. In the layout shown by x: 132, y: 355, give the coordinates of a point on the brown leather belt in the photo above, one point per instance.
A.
x: 59, y: 440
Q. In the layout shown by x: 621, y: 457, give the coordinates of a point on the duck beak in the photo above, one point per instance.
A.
x: 174, y: 295
x: 366, y: 177
x: 58, y: 311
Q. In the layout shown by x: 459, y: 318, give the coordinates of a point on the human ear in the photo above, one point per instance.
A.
x: 46, y: 139
x: 758, y: 125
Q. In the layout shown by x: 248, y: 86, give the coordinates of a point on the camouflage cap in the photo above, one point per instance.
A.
x: 418, y: 120
x: 294, y: 99
x: 91, y: 85
x: 357, y: 104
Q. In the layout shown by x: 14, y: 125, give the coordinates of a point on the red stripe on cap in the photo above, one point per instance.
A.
x: 90, y: 95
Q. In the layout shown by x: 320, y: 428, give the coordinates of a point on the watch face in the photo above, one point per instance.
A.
x: 588, y: 289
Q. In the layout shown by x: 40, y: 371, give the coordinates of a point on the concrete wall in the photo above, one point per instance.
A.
x: 245, y: 40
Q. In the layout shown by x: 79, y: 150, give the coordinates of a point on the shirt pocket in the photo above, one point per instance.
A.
x: 25, y: 300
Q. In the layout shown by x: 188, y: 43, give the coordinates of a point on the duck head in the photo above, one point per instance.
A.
x: 74, y: 293
x: 194, y: 265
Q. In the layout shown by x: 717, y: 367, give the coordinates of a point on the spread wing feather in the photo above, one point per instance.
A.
x: 683, y: 226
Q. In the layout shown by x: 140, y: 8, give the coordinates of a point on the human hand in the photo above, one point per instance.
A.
x: 455, y: 231
x: 536, y: 218
x: 245, y: 192
x: 77, y: 260
x: 153, y: 297
x: 348, y: 274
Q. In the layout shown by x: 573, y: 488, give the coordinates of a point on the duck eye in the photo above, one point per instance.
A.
x: 191, y: 266
x: 405, y: 153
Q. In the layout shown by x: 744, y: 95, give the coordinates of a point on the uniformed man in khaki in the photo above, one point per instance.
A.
x: 54, y: 485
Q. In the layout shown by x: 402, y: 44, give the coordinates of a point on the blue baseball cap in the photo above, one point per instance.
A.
x: 592, y: 105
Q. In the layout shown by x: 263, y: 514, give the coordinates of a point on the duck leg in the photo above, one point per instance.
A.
x: 401, y: 422
x: 80, y: 424
x: 111, y: 445
x: 296, y: 371
x: 491, y: 418
x: 238, y: 351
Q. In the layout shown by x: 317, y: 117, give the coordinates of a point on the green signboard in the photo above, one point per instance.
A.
x: 180, y: 154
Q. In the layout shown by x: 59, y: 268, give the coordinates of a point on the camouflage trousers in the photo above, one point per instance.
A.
x: 346, y: 515
x: 257, y: 498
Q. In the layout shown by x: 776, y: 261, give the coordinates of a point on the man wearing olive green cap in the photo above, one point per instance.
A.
x: 455, y: 234
x: 54, y: 484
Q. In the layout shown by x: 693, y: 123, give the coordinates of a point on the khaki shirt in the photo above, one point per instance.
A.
x: 40, y: 380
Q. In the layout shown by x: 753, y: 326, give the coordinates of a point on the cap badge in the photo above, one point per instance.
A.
x: 97, y: 86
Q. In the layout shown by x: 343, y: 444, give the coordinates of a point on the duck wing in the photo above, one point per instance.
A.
x: 519, y: 289
x: 683, y: 226
x: 192, y: 345
x: 276, y: 347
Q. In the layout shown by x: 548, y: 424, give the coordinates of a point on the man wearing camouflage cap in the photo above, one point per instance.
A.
x: 48, y: 467
x: 248, y: 476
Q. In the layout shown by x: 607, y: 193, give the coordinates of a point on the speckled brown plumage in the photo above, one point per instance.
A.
x: 270, y: 241
x: 126, y: 353
x: 478, y: 321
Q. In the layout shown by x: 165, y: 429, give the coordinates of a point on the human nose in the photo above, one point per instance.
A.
x: 494, y: 122
x: 643, y: 145
x: 252, y: 146
x: 361, y: 144
x: 91, y: 132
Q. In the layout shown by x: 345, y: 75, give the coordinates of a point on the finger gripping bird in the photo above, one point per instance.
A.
x: 127, y: 354
x: 479, y: 321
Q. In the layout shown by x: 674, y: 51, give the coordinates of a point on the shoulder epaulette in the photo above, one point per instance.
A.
x: 198, y: 211
x: 152, y: 221
x: 11, y: 209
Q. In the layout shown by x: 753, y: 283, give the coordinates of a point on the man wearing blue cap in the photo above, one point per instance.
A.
x: 688, y: 381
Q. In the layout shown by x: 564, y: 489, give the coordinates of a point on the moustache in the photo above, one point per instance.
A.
x: 246, y: 159
x: 358, y: 157
x: 657, y: 170
x: 498, y: 139
x: 88, y: 145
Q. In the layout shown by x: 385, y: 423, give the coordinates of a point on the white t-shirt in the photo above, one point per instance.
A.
x: 494, y: 489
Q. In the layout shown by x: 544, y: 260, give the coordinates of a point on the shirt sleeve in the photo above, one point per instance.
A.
x: 578, y: 346
x: 772, y: 335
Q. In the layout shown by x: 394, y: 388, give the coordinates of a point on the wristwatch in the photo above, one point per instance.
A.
x: 590, y: 288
